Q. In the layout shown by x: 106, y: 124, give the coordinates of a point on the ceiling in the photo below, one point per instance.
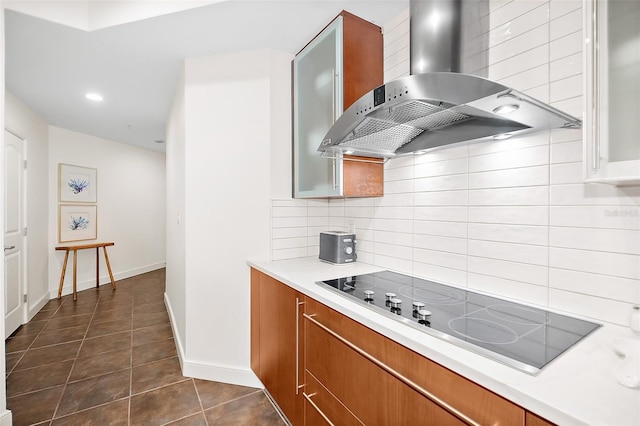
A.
x: 135, y: 66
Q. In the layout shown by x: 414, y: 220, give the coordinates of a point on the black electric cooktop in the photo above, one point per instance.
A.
x: 520, y: 336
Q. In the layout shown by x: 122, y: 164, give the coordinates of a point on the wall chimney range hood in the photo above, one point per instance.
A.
x: 438, y: 105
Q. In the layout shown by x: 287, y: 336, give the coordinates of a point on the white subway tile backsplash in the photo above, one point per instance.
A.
x: 289, y: 222
x: 397, y: 238
x: 441, y: 198
x: 366, y: 211
x: 441, y: 168
x: 440, y: 258
x: 512, y: 289
x: 523, y: 253
x: 589, y: 194
x: 394, y: 200
x: 567, y: 66
x: 537, y: 235
x: 460, y: 150
x: 446, y: 229
x: 440, y: 243
x: 616, y: 288
x: 511, y: 144
x: 531, y: 78
x: 522, y: 43
x: 441, y: 183
x: 521, y: 272
x: 599, y: 308
x: 398, y: 173
x: 597, y: 262
x: 513, y: 10
x: 393, y: 263
x: 566, y: 173
x: 403, y: 226
x: 566, y: 152
x: 451, y: 213
x: 567, y: 88
x: 399, y: 212
x: 525, y: 176
x: 277, y: 233
x: 286, y: 243
x: 522, y: 196
x: 510, y: 215
x: 611, y: 240
x: 608, y: 217
x: 398, y: 187
x: 456, y: 277
x: 571, y: 106
x: 562, y: 7
x: 519, y: 25
x: 519, y: 63
x: 535, y: 156
x: 566, y: 24
x: 565, y: 46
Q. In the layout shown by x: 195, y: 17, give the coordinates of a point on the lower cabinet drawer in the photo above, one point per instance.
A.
x: 384, y: 383
x: 321, y: 407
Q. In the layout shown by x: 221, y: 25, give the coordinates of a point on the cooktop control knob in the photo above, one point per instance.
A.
x: 389, y: 296
x: 395, y: 303
x: 368, y: 295
x: 395, y: 306
x: 423, y: 317
x: 417, y: 306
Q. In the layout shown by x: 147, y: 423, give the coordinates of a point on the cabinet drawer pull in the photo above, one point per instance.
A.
x: 315, y: 407
x: 298, y: 385
x: 442, y: 404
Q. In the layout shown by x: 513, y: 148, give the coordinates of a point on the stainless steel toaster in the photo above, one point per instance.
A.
x: 337, y: 247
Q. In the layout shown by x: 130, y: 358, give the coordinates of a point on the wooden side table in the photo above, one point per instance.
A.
x: 75, y: 249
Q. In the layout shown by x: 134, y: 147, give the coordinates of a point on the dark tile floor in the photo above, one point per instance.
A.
x: 109, y: 358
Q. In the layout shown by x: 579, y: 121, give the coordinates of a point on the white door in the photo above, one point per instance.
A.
x: 14, y: 253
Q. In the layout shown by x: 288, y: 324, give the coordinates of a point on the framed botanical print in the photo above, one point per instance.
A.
x: 77, y: 222
x: 77, y: 184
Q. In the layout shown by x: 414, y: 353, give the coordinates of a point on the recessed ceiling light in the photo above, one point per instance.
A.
x: 506, y: 109
x: 93, y: 97
x: 348, y: 152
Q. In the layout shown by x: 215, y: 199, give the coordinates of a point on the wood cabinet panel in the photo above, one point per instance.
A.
x: 346, y: 374
x: 255, y: 321
x: 320, y: 403
x: 277, y: 346
x: 363, y: 176
x: 534, y: 420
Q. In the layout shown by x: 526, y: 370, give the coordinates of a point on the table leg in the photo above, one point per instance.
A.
x: 97, y: 267
x: 75, y: 274
x: 106, y: 258
x: 64, y: 269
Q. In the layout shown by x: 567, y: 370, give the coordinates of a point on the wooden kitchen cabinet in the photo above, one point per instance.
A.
x: 381, y: 382
x: 322, y: 367
x: 335, y: 69
x: 275, y: 349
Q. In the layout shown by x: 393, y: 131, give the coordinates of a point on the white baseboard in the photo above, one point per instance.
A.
x: 5, y: 418
x: 35, y: 308
x: 104, y: 279
x: 206, y: 371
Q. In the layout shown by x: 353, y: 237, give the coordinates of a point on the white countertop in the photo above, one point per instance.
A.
x: 576, y: 388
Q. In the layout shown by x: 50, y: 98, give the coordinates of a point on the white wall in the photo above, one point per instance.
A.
x: 131, y: 207
x: 20, y: 120
x: 176, y: 290
x: 228, y: 147
x: 509, y: 217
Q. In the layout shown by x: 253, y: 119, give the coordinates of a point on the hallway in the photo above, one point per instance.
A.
x: 110, y: 359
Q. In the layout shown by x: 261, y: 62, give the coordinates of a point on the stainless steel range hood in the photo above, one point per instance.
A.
x: 435, y: 106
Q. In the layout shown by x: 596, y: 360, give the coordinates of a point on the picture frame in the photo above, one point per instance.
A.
x: 77, y: 184
x: 77, y: 222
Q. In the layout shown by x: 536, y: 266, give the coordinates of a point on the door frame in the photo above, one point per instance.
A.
x: 24, y: 308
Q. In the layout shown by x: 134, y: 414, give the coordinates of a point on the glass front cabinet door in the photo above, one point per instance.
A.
x: 337, y: 67
x: 317, y: 100
x: 612, y: 68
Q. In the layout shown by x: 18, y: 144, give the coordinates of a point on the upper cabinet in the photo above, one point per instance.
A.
x: 612, y: 68
x: 335, y: 69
